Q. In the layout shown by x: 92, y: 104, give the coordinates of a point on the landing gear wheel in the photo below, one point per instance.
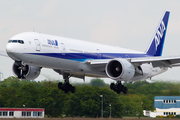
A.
x: 122, y: 88
x: 112, y: 86
x: 73, y: 89
x: 125, y: 90
x: 118, y: 88
x: 118, y: 92
x: 66, y: 87
x: 66, y: 91
x: 70, y: 87
x: 60, y: 85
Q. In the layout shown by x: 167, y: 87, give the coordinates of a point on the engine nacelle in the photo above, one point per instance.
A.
x: 120, y: 69
x: 29, y: 72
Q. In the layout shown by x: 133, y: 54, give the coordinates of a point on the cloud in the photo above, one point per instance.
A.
x: 106, y: 31
x: 49, y: 8
x: 16, y: 10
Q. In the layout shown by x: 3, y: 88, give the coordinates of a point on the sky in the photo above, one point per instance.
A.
x: 125, y: 23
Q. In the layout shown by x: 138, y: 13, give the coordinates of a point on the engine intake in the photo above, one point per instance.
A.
x: 120, y: 69
x: 26, y: 72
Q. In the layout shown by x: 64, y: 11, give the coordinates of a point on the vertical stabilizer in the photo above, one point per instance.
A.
x: 156, y: 46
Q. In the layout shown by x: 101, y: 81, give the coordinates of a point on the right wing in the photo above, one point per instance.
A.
x: 3, y: 53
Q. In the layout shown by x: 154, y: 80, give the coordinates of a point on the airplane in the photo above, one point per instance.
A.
x: 68, y: 57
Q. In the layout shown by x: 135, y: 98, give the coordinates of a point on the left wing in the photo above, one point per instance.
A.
x: 100, y: 64
x: 158, y: 61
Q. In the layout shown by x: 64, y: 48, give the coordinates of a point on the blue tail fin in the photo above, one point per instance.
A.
x: 156, y: 46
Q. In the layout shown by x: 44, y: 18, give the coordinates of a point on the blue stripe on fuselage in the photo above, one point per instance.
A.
x: 84, y: 56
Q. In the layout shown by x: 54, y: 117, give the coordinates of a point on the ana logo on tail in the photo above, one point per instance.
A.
x: 156, y: 46
x: 159, y: 34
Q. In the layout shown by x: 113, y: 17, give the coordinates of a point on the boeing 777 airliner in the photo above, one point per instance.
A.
x: 75, y: 58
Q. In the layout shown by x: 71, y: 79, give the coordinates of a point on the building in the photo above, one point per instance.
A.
x: 22, y: 112
x: 165, y: 105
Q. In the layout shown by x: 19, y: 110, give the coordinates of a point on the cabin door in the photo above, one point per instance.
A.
x: 38, y: 46
x: 63, y: 49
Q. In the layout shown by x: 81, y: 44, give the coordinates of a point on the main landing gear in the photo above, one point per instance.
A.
x: 118, y: 87
x: 66, y: 87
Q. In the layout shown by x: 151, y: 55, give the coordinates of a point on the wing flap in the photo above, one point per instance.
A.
x: 98, y: 61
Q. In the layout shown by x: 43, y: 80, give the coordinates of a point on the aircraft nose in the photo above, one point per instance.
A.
x: 11, y: 51
x: 10, y: 48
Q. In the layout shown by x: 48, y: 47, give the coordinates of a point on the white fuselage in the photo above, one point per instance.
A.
x: 70, y: 55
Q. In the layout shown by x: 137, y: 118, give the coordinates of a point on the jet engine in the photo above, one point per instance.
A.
x: 120, y: 69
x: 25, y: 72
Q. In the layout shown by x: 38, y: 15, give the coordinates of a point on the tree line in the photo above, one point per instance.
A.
x: 86, y: 102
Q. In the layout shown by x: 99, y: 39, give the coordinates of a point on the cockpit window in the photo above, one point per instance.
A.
x: 21, y: 41
x: 9, y: 41
x: 16, y: 41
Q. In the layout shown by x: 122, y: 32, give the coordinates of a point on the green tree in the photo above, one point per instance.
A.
x: 86, y: 102
x: 97, y: 82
